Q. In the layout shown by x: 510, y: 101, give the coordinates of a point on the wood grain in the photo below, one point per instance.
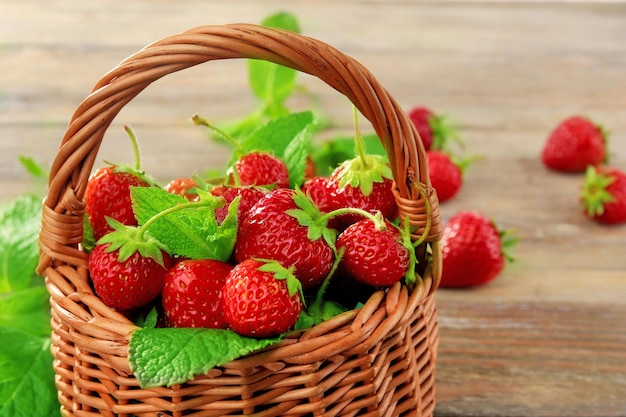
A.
x: 548, y: 337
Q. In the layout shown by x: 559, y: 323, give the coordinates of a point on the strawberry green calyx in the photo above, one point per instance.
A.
x: 594, y: 194
x: 508, y: 239
x: 444, y: 132
x: 309, y: 215
x: 364, y: 170
x: 281, y: 273
x: 131, y: 239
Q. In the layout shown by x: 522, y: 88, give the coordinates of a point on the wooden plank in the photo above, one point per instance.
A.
x: 531, y: 359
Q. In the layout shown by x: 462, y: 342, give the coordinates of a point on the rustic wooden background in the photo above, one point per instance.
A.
x: 548, y: 337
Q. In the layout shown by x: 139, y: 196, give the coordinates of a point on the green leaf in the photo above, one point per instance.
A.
x: 270, y: 82
x: 20, y: 220
x: 296, y: 154
x: 276, y: 135
x: 168, y: 356
x: 186, y: 228
x: 26, y: 376
x: 33, y: 167
x: 27, y: 310
x: 325, y: 311
x: 282, y: 20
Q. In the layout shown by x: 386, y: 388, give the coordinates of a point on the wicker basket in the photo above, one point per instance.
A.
x: 378, y: 360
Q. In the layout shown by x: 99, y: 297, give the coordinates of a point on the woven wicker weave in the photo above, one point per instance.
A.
x: 378, y: 360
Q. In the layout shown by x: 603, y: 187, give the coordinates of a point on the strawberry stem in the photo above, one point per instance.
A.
x: 359, y: 143
x: 201, y: 121
x: 135, y: 143
x: 315, y: 308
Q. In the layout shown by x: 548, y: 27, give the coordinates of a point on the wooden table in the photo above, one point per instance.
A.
x: 548, y: 338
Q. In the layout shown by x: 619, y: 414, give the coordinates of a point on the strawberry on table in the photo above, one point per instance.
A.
x: 603, y: 194
x: 473, y: 250
x: 192, y: 294
x: 575, y: 143
x: 261, y: 298
x: 433, y: 129
x: 286, y: 226
x: 446, y: 176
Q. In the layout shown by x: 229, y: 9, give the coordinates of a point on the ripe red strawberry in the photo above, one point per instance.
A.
x: 261, y: 299
x: 192, y: 294
x: 249, y: 197
x: 274, y: 230
x: 575, y: 143
x: 433, y: 129
x: 108, y: 195
x: 126, y: 283
x: 183, y: 186
x: 364, y: 185
x: 374, y: 255
x: 323, y: 192
x: 472, y: 250
x: 603, y: 194
x: 446, y: 176
x: 261, y: 169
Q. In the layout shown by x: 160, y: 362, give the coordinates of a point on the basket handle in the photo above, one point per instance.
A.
x: 70, y: 170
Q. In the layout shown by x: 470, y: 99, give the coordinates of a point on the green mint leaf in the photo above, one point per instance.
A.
x: 282, y: 20
x: 326, y: 311
x: 296, y: 154
x: 20, y: 220
x: 189, y: 228
x: 27, y: 310
x: 273, y: 83
x: 168, y: 356
x: 26, y: 376
x: 148, y: 320
x: 33, y: 167
x: 275, y: 135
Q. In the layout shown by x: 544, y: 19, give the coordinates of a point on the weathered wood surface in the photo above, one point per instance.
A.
x: 548, y: 338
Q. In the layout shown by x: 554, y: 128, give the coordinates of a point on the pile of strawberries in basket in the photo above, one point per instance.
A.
x: 253, y: 249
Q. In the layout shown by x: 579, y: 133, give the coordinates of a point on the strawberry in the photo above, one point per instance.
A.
x: 283, y: 226
x: 323, y: 192
x: 367, y: 187
x: 603, y: 194
x: 575, y: 143
x: 261, y: 169
x: 108, y: 195
x: 433, y: 129
x: 472, y: 250
x: 184, y: 187
x: 374, y: 253
x: 126, y: 282
x: 192, y: 293
x: 446, y: 176
x: 249, y: 197
x: 261, y: 299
